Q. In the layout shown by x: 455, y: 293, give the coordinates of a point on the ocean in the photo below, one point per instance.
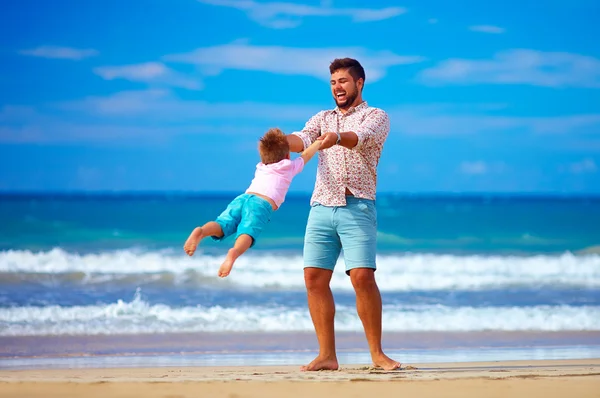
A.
x: 109, y: 266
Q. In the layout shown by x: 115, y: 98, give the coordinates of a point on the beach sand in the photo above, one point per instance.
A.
x: 548, y: 379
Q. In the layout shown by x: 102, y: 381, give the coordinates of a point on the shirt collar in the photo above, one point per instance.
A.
x: 352, y: 109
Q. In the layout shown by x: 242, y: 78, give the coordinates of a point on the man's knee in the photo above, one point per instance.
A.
x: 362, y: 278
x: 317, y: 278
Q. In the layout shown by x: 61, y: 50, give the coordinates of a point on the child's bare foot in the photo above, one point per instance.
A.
x: 192, y: 242
x: 227, y: 265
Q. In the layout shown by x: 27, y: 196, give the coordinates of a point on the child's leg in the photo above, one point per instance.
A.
x: 242, y: 243
x: 209, y: 229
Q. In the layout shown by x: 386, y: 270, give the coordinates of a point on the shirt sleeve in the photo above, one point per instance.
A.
x: 297, y: 165
x: 311, y: 130
x: 374, y: 129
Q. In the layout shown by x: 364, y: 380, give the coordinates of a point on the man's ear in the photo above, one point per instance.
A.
x: 361, y: 83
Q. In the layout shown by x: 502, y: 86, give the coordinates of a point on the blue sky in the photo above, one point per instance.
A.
x: 483, y: 96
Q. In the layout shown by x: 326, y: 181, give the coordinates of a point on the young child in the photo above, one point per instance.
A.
x: 247, y: 214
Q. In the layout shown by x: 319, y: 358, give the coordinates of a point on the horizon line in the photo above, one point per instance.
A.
x: 81, y: 192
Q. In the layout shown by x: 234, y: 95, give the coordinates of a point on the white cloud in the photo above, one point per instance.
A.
x: 585, y: 144
x: 154, y: 73
x: 451, y: 120
x: 564, y: 124
x: 161, y: 113
x: 109, y: 133
x: 22, y: 134
x: 147, y: 71
x: 288, y: 60
x: 531, y: 67
x: 164, y: 106
x: 487, y: 29
x: 126, y: 117
x: 131, y: 103
x: 153, y: 115
x: 280, y: 15
x: 9, y: 113
x: 75, y: 54
x: 585, y: 166
x: 480, y: 167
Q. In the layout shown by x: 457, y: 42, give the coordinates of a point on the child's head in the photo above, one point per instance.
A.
x: 273, y: 147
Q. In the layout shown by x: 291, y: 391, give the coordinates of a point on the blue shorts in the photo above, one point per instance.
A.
x: 351, y: 228
x: 246, y: 214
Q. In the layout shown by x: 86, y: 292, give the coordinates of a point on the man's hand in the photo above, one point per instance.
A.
x: 328, y: 140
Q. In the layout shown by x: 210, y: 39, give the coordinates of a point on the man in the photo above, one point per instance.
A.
x: 343, y: 214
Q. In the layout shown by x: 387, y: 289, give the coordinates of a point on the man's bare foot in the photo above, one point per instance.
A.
x: 321, y: 364
x: 227, y: 265
x: 385, y: 362
x: 192, y: 241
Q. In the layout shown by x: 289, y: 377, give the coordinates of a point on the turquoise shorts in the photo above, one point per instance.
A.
x: 351, y: 228
x: 246, y: 214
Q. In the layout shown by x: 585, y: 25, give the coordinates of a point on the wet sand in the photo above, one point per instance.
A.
x: 548, y: 379
x: 240, y: 342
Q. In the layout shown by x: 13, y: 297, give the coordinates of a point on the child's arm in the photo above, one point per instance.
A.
x: 311, y: 150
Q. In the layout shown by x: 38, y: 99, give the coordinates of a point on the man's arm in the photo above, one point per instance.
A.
x: 348, y: 139
x: 309, y: 134
x: 375, y: 128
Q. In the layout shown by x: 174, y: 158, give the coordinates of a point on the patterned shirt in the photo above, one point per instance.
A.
x: 339, y: 167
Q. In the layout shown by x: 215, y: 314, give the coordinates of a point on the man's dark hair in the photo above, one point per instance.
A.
x: 354, y: 67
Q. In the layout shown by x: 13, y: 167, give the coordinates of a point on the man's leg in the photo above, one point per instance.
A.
x: 368, y: 306
x: 357, y: 227
x: 321, y: 250
x: 211, y: 228
x: 242, y: 243
x: 322, y: 312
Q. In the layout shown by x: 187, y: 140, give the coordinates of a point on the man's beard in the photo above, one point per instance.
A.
x: 350, y: 98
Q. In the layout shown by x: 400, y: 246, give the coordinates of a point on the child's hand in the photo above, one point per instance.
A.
x: 311, y: 150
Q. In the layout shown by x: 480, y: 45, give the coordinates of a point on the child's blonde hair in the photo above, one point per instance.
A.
x: 273, y: 147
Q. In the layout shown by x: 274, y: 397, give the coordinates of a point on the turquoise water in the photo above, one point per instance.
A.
x: 439, y: 224
x: 302, y: 358
x: 81, y: 265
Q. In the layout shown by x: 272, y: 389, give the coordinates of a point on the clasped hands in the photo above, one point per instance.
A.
x: 327, y: 140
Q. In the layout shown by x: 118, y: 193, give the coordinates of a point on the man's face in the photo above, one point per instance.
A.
x: 344, y: 88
